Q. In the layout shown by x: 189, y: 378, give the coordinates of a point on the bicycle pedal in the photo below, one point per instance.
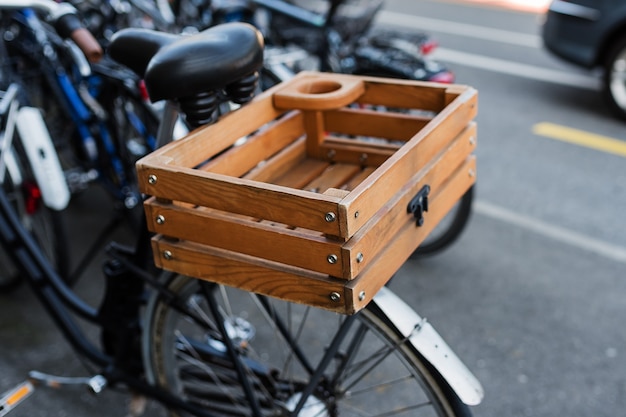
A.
x: 95, y: 383
x: 12, y: 398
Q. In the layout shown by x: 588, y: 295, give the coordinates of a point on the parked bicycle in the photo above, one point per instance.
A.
x: 204, y: 349
x: 97, y: 115
x: 31, y: 175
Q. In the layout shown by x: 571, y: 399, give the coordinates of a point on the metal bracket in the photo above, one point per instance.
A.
x: 419, y: 204
x: 95, y: 383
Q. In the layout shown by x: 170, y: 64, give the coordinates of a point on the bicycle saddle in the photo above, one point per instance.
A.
x: 175, y: 66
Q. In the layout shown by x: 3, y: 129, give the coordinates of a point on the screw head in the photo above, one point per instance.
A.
x: 330, y: 217
x: 167, y: 255
x: 359, y: 257
x: 335, y: 296
x: 332, y: 258
x: 152, y: 179
x: 160, y: 219
x: 362, y: 296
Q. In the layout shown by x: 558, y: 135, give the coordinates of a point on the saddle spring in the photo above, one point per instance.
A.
x: 201, y: 109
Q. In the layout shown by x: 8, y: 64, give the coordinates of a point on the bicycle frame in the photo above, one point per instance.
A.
x: 73, y: 91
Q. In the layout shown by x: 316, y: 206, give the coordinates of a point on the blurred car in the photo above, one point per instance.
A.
x: 592, y: 34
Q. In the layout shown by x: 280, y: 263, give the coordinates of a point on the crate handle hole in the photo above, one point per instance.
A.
x: 320, y: 87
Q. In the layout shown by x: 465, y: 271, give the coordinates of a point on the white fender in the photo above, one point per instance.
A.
x: 43, y: 158
x: 425, y: 339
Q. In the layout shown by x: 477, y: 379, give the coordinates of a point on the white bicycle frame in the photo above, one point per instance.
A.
x: 39, y: 150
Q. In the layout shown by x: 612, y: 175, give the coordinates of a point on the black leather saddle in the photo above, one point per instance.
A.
x: 178, y: 66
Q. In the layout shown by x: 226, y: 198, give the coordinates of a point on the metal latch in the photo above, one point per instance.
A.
x: 419, y: 204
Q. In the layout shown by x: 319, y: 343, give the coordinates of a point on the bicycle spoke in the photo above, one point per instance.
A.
x: 194, y: 358
x: 385, y: 384
x: 284, y: 332
x: 377, y: 358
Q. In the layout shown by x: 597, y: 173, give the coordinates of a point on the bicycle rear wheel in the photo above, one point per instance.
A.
x: 280, y: 347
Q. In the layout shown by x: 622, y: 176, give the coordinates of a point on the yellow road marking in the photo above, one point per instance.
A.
x: 582, y: 138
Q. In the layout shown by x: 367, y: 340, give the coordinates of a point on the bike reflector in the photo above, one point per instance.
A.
x: 12, y: 398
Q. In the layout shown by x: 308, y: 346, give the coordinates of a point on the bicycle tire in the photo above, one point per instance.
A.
x: 184, y: 353
x: 47, y: 226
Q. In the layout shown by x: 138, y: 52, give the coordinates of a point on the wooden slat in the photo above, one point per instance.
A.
x: 238, y: 160
x: 364, y: 122
x: 280, y: 163
x: 364, y: 142
x: 333, y: 177
x: 359, y: 178
x: 250, y: 274
x: 356, y: 151
x: 404, y: 94
x: 241, y: 196
x: 301, y: 174
x: 301, y: 248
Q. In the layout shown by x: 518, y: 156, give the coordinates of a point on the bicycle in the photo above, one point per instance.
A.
x: 196, y: 348
x: 31, y: 176
x: 99, y: 121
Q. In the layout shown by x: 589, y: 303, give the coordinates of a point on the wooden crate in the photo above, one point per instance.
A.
x: 303, y: 194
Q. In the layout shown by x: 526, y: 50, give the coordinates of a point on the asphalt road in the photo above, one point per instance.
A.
x: 531, y: 297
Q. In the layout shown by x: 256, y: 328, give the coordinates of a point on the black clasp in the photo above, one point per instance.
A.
x: 419, y: 204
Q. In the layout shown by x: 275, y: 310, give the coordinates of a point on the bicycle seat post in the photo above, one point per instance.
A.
x: 167, y: 125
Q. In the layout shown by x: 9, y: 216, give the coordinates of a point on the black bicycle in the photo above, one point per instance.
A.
x: 204, y: 349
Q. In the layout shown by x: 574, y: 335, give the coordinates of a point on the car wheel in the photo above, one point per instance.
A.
x: 615, y: 78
